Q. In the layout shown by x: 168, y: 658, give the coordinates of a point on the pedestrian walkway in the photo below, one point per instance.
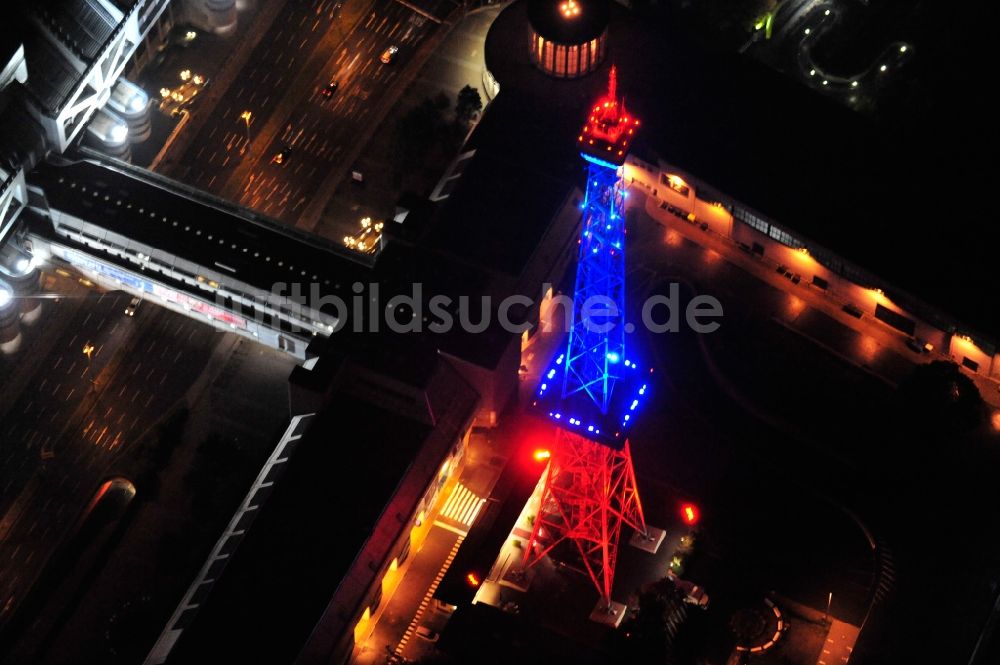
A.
x: 428, y: 597
x: 839, y: 643
x: 407, y: 596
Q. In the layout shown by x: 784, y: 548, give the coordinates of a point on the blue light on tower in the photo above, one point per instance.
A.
x: 595, y: 358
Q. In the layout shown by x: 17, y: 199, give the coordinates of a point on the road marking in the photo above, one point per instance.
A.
x: 448, y: 527
x: 428, y: 596
x: 462, y: 506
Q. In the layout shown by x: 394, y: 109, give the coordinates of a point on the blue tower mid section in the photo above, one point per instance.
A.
x: 593, y: 389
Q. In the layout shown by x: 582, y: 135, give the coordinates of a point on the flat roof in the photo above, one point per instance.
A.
x: 904, y: 200
x: 308, y: 534
x: 583, y: 21
x: 510, y: 191
x: 168, y: 216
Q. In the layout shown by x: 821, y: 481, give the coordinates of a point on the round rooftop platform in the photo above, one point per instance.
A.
x: 570, y: 22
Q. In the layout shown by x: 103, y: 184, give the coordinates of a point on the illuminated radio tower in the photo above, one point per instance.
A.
x: 593, y: 389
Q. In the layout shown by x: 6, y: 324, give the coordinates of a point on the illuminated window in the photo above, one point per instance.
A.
x: 675, y: 183
x: 752, y: 220
x: 547, y: 61
x: 785, y: 238
x: 573, y: 64
x: 560, y: 61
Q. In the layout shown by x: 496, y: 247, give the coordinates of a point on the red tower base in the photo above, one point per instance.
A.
x: 590, y: 491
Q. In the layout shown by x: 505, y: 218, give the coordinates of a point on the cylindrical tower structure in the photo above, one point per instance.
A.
x: 569, y: 38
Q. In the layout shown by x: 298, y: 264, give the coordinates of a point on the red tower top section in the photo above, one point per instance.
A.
x: 610, y: 129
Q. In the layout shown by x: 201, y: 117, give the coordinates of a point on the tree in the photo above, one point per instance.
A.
x: 417, y: 131
x: 468, y: 104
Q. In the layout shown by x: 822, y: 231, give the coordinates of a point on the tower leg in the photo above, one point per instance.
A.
x: 590, y: 491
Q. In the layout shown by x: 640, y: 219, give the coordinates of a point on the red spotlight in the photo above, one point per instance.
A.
x: 689, y: 512
x: 542, y: 455
x: 472, y: 579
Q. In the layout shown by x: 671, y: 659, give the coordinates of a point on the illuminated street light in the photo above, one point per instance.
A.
x: 882, y: 68
x: 245, y: 117
x: 88, y: 350
x: 473, y: 580
x: 902, y: 49
x: 808, y: 31
x: 542, y: 455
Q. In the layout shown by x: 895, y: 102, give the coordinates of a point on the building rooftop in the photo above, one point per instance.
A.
x: 901, y: 200
x: 569, y: 21
x: 510, y: 191
x: 305, y: 539
x: 164, y: 217
x: 83, y: 25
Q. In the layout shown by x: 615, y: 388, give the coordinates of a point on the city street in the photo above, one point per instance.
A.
x: 457, y: 62
x: 98, y: 382
x: 307, y: 46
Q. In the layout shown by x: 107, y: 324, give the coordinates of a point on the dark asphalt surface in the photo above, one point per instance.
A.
x: 319, y: 131
x: 64, y: 433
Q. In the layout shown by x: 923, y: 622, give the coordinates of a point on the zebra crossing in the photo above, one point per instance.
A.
x: 462, y: 506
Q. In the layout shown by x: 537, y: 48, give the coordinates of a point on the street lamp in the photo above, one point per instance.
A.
x: 245, y: 117
x: 88, y: 350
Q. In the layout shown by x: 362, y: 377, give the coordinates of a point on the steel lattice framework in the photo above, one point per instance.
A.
x: 597, y: 344
x: 589, y: 487
x: 590, y: 491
